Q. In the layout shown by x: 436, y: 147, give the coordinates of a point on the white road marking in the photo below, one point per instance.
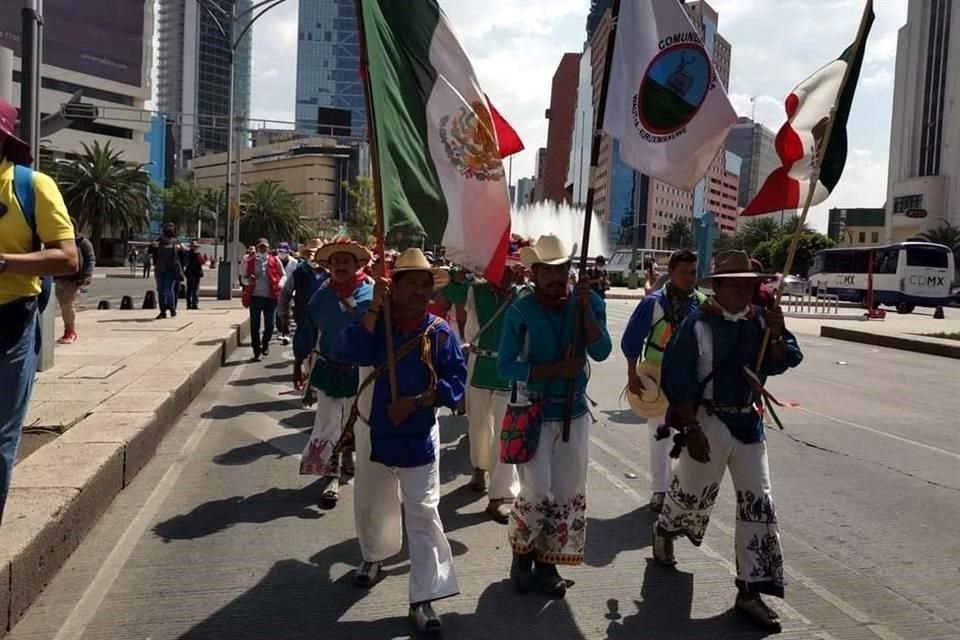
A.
x: 845, y: 607
x: 86, y: 608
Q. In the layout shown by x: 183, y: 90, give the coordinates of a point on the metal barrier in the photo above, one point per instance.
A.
x: 821, y: 303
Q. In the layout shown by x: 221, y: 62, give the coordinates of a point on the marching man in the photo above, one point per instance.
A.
x: 487, y: 393
x: 342, y: 299
x: 708, y: 376
x: 649, y: 330
x: 548, y: 521
x: 398, y: 442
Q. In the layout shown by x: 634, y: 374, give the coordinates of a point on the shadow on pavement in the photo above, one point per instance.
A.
x: 225, y: 412
x: 608, y: 538
x: 215, y: 516
x: 250, y: 382
x: 279, y: 447
x: 502, y: 613
x: 302, y: 420
x: 664, y: 609
x: 460, y: 497
x: 623, y: 416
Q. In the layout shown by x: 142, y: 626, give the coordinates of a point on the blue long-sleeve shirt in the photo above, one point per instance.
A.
x: 548, y: 334
x: 326, y: 317
x: 408, y: 444
x: 708, y: 340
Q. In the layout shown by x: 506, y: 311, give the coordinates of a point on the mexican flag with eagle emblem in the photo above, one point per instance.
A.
x: 439, y: 142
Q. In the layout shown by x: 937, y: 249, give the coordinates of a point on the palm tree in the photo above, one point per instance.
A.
x: 104, y: 193
x: 790, y: 226
x: 946, y: 234
x: 756, y: 231
x: 270, y: 211
x: 182, y: 204
x: 679, y: 235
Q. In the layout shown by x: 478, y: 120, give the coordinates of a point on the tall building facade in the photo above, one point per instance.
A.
x: 578, y: 167
x: 194, y: 73
x: 103, y: 48
x: 524, y: 194
x: 330, y: 94
x: 755, y: 144
x: 563, y: 107
x: 923, y: 185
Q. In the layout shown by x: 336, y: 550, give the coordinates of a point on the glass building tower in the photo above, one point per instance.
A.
x: 330, y: 97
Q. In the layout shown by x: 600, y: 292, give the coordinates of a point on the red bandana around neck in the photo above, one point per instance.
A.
x: 346, y: 291
x: 553, y: 304
x: 413, y: 325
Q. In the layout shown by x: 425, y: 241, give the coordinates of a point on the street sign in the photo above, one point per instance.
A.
x: 916, y: 213
x: 79, y: 111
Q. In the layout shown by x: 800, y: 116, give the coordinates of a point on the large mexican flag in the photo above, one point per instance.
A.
x: 808, y: 109
x: 438, y: 139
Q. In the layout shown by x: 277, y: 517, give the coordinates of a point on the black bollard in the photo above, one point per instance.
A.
x: 104, y: 305
x: 938, y: 313
x: 126, y: 303
x: 149, y: 300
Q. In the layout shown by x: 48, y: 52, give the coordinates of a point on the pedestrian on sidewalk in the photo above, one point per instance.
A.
x: 488, y: 393
x: 548, y: 521
x: 168, y: 270
x: 193, y: 271
x: 133, y: 259
x: 36, y: 240
x: 68, y: 287
x: 709, y: 379
x: 599, y: 279
x: 398, y: 459
x: 261, y: 280
x: 342, y: 300
x: 653, y: 322
x: 147, y: 262
x: 289, y: 264
x: 306, y: 279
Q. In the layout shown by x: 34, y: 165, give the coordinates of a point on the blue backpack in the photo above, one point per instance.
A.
x: 23, y: 190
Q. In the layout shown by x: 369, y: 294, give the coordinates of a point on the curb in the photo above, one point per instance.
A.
x: 904, y: 343
x: 95, y: 460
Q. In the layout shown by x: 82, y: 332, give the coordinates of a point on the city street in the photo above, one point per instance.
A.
x: 219, y: 538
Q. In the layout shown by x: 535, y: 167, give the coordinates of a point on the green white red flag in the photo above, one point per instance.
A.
x: 808, y: 110
x: 440, y: 143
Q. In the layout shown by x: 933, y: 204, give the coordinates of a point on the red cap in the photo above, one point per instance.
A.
x: 14, y: 149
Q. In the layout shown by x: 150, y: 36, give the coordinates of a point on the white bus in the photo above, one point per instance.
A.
x: 905, y: 275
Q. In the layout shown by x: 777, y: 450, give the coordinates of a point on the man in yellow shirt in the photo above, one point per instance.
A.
x: 36, y: 239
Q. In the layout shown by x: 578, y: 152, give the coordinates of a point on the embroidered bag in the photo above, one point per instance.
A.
x: 520, y: 433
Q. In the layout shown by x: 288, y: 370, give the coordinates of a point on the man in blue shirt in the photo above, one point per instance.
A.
x: 397, y: 439
x: 708, y: 376
x: 342, y: 299
x: 548, y: 520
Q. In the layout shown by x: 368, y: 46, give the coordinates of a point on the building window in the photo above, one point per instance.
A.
x: 902, y: 204
x: 875, y: 237
x: 862, y: 236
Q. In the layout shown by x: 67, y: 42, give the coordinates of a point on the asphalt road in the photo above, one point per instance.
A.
x: 219, y: 538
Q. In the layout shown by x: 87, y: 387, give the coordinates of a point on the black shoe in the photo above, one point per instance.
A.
x: 549, y: 580
x: 256, y: 357
x: 266, y: 351
x: 424, y: 619
x: 367, y: 574
x: 757, y: 610
x: 173, y: 313
x: 161, y: 316
x: 521, y: 572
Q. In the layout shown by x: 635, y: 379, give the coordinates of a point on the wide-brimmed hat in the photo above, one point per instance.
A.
x: 343, y: 245
x: 414, y: 260
x: 733, y: 264
x: 309, y: 248
x: 652, y: 402
x: 548, y: 249
x: 13, y: 148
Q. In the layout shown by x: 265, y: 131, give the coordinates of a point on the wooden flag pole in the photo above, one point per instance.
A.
x: 588, y: 213
x: 382, y: 271
x: 815, y: 175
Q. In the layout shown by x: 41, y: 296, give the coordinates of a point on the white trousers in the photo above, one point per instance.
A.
x: 694, y: 490
x: 485, y: 409
x: 318, y: 457
x: 660, y: 462
x: 379, y: 494
x: 549, y: 516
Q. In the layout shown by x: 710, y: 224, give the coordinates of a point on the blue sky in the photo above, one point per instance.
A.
x: 515, y: 46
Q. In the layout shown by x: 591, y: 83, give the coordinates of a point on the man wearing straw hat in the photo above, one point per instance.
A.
x: 487, y: 393
x: 709, y: 377
x: 305, y: 280
x: 548, y: 521
x: 342, y: 299
x: 649, y: 330
x: 398, y: 437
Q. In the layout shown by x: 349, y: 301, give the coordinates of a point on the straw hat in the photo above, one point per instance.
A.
x: 414, y: 260
x: 309, y: 248
x: 652, y: 402
x: 732, y: 264
x: 343, y: 244
x: 548, y: 249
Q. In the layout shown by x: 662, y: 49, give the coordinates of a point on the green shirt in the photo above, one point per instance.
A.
x: 456, y: 292
x: 485, y: 368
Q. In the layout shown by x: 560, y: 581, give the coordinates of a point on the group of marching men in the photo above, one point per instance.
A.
x: 527, y: 338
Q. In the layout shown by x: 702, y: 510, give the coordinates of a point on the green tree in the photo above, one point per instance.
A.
x: 773, y: 253
x: 790, y: 225
x: 680, y: 235
x: 183, y: 205
x: 104, y: 193
x: 756, y: 231
x: 724, y: 242
x: 946, y: 234
x: 363, y: 212
x: 270, y: 211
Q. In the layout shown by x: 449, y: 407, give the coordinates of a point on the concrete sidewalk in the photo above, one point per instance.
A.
x: 99, y: 414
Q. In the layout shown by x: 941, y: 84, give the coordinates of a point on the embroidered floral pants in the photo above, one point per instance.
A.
x: 549, y: 515
x: 693, y: 492
x: 318, y: 458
